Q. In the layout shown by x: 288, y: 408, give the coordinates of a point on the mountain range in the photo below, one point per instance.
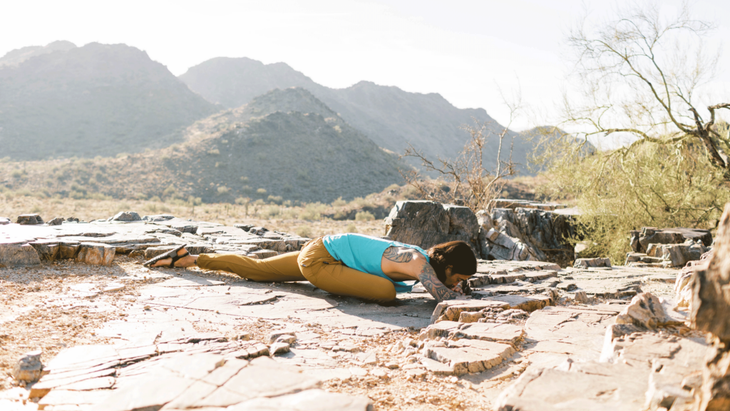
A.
x: 271, y: 126
x: 98, y: 99
x: 389, y: 116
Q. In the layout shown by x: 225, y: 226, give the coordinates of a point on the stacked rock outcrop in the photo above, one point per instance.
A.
x: 668, y: 247
x: 519, y: 231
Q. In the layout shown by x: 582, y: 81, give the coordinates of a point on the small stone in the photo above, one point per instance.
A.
x: 4, y: 221
x: 244, y: 336
x: 29, y: 219
x: 29, y: 367
x: 286, y: 338
x: 279, y: 348
x: 581, y: 297
x: 95, y: 254
x: 392, y: 365
x: 645, y: 310
x: 126, y: 216
x: 273, y: 336
x: 57, y: 221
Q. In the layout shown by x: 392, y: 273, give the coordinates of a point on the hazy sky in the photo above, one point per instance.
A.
x: 466, y: 50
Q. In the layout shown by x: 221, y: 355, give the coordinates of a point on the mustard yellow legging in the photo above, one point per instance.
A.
x: 313, y: 263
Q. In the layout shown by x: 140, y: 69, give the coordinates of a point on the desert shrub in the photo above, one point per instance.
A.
x: 169, y: 191
x: 246, y: 189
x: 99, y: 196
x: 214, y: 152
x: 288, y: 214
x: 312, y: 211
x: 351, y: 228
x: 261, y: 191
x: 271, y: 212
x: 194, y: 201
x: 155, y: 198
x: 16, y: 174
x: 339, y: 202
x: 304, y: 231
x: 244, y: 179
x: 364, y: 216
x: 223, y: 190
x: 654, y: 185
x: 275, y: 199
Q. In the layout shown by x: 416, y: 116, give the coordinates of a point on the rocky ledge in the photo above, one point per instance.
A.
x: 532, y: 335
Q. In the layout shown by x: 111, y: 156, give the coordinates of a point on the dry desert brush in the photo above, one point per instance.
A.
x: 642, y: 75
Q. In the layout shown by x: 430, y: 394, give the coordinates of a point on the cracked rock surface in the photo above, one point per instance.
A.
x: 118, y: 336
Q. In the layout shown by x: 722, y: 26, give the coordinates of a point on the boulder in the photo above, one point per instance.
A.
x: 645, y: 310
x: 126, y: 216
x: 18, y: 255
x: 68, y: 249
x: 29, y: 219
x: 710, y: 308
x: 640, y: 240
x: 534, y: 234
x: 57, y: 221
x: 427, y: 223
x: 29, y: 368
x: 47, y: 249
x: 95, y: 254
x: 592, y: 262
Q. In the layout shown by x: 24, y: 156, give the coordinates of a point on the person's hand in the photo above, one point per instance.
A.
x: 458, y: 289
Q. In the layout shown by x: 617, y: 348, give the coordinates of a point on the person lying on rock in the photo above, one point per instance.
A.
x: 354, y: 265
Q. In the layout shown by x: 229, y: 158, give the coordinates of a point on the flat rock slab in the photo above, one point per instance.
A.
x: 471, y: 356
x: 497, y: 332
x: 113, y: 378
x: 522, y: 302
x: 309, y: 400
x: 556, y: 333
x: 578, y: 387
x: 450, y: 310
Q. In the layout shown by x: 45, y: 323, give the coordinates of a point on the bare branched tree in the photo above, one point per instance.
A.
x: 642, y: 74
x: 466, y: 180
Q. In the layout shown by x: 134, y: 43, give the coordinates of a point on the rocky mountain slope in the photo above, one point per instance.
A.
x: 99, y: 99
x: 285, y: 144
x: 389, y: 116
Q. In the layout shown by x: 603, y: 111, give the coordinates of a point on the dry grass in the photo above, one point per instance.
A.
x: 88, y: 210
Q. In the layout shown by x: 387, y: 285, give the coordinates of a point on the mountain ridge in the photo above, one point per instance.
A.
x: 388, y: 115
x: 93, y: 100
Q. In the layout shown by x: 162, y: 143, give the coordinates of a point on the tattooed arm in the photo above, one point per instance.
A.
x: 432, y: 284
x: 407, y: 262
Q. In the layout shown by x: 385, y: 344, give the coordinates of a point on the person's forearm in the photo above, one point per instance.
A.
x: 435, y: 287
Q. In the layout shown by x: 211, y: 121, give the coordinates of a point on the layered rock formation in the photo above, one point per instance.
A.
x: 710, y: 308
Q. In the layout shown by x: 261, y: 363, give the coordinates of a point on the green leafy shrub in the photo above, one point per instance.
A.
x: 651, y: 185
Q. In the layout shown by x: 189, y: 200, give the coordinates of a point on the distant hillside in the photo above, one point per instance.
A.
x: 389, y: 116
x: 62, y: 100
x: 283, y: 144
x: 17, y: 56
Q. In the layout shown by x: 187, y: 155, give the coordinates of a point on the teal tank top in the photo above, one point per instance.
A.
x: 364, y: 253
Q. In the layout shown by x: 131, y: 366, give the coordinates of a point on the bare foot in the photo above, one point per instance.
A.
x: 187, y: 261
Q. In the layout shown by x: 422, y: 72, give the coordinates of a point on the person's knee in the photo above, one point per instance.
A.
x: 384, y: 295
